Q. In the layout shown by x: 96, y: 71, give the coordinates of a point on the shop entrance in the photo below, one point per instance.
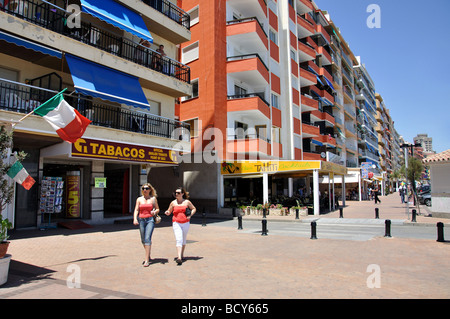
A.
x: 117, y: 191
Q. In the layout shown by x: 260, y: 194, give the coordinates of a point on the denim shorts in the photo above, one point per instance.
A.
x: 146, y: 226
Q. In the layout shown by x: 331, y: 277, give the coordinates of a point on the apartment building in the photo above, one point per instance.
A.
x: 105, y: 54
x: 263, y: 95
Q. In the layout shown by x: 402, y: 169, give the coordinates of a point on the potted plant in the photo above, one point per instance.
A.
x: 5, y: 225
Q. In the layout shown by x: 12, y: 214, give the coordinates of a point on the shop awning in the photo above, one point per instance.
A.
x: 317, y: 143
x: 117, y: 15
x: 29, y: 45
x: 95, y: 80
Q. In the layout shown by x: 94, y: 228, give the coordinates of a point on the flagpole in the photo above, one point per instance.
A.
x: 23, y: 118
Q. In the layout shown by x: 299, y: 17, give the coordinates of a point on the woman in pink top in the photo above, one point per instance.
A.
x: 144, y: 212
x: 182, y: 210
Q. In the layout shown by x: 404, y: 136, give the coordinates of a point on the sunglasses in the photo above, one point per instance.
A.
x: 145, y: 188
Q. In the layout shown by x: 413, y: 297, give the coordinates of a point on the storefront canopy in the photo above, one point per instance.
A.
x: 96, y: 80
x: 275, y: 167
x: 117, y: 15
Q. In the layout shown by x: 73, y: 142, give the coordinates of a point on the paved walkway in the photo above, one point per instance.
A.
x: 225, y: 263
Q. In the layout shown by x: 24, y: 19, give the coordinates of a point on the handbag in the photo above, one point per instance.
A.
x: 188, y: 212
x: 157, y: 219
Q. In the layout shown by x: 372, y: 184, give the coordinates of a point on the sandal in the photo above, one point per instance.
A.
x: 179, y: 262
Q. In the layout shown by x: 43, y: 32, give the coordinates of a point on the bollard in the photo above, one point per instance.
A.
x: 388, y: 228
x: 413, y: 215
x: 377, y: 215
x: 240, y: 221
x: 264, y: 213
x: 296, y: 213
x: 264, y: 227
x: 440, y: 232
x: 341, y: 212
x: 204, y: 217
x: 313, y: 230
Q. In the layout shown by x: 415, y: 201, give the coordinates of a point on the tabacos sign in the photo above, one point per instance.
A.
x: 88, y: 148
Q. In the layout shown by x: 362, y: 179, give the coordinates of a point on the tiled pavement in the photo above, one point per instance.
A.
x: 225, y: 263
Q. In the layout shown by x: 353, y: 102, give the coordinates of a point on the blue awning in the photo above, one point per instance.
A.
x: 29, y: 45
x: 317, y: 142
x: 95, y: 80
x: 117, y: 15
x: 329, y: 83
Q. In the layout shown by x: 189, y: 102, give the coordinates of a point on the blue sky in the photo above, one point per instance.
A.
x: 408, y: 58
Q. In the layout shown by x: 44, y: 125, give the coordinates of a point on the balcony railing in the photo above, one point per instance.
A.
x: 247, y: 95
x: 170, y: 10
x: 23, y: 98
x: 50, y: 18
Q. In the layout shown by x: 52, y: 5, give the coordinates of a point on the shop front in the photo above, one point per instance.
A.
x: 96, y: 181
x: 262, y: 181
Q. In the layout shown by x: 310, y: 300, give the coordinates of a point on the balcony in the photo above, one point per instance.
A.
x: 310, y: 130
x: 321, y: 31
x: 249, y: 69
x: 307, y: 78
x: 309, y: 155
x: 305, y: 52
x: 23, y: 98
x: 248, y: 35
x: 309, y: 104
x: 251, y: 105
x: 325, y: 57
x: 248, y: 147
x: 323, y: 116
x: 326, y: 139
x: 47, y: 17
x: 171, y: 11
x: 304, y: 6
x: 305, y: 27
x: 250, y: 8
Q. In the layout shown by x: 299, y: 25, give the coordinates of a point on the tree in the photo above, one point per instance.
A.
x: 415, y: 169
x: 6, y: 190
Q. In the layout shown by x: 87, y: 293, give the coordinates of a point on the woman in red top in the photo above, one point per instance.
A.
x: 181, y: 220
x: 144, y: 212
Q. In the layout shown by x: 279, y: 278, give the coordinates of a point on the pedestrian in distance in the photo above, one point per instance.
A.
x: 144, y: 215
x: 402, y: 194
x: 375, y: 195
x: 182, y: 210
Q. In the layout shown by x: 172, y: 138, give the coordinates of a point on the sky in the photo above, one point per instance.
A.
x: 407, y: 57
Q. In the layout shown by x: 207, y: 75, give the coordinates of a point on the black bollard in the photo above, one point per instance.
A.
x: 440, y: 232
x: 414, y: 212
x: 296, y: 213
x: 240, y: 221
x: 264, y: 213
x: 313, y: 230
x: 341, y: 212
x: 264, y: 227
x: 204, y: 217
x: 388, y: 228
x: 377, y: 215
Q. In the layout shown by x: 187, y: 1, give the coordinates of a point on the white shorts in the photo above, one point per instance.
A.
x: 180, y: 230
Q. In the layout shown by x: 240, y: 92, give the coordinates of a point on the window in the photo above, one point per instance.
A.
x: 273, y: 36
x: 194, y: 84
x: 275, y: 134
x: 261, y: 131
x: 239, y: 91
x: 193, y: 127
x: 194, y: 16
x: 155, y: 107
x: 190, y: 53
x: 274, y: 101
x: 240, y: 130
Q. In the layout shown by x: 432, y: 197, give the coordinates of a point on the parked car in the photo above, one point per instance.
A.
x: 425, y: 199
x: 424, y: 189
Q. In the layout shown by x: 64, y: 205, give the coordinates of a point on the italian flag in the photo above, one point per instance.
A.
x: 69, y: 124
x: 19, y: 174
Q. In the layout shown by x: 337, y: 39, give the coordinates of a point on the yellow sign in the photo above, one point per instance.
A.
x: 272, y: 167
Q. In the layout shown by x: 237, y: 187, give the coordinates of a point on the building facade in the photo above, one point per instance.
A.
x: 105, y: 54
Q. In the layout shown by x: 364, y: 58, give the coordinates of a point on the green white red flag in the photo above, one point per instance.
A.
x: 68, y: 123
x: 19, y: 174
